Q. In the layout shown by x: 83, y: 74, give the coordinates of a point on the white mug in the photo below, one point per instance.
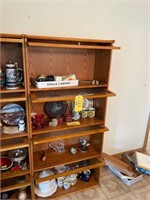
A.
x: 54, y: 122
x: 67, y: 184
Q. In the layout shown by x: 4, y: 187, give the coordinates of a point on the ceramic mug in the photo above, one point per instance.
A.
x: 67, y: 184
x: 85, y: 175
x: 60, y: 182
x: 91, y: 112
x: 72, y: 178
x: 84, y: 113
x: 54, y: 122
x: 60, y: 120
x: 14, y: 76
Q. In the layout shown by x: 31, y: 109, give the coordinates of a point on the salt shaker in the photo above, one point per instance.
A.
x: 21, y: 125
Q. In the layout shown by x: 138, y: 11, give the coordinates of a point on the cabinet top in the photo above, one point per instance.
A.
x: 65, y: 39
x: 14, y: 36
x: 61, y: 42
x: 39, y: 37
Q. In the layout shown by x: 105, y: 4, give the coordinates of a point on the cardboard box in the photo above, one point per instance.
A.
x: 126, y: 179
x: 122, y: 169
x: 119, y: 165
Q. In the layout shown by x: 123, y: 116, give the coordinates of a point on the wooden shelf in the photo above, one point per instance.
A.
x: 40, y: 98
x: 89, y: 60
x: 11, y: 144
x: 80, y: 186
x: 83, y: 123
x: 70, y: 135
x: 4, y: 136
x: 55, y: 159
x: 11, y: 40
x: 82, y: 85
x: 4, y: 90
x: 16, y: 186
x: 16, y: 97
x: 93, y: 164
x: 11, y: 174
x: 16, y: 192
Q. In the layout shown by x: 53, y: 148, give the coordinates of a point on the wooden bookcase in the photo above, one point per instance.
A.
x: 13, y: 49
x: 88, y: 60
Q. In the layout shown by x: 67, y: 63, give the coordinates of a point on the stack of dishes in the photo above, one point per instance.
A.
x: 46, y: 188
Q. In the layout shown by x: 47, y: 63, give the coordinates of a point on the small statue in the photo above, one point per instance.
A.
x: 76, y: 116
x: 83, y: 145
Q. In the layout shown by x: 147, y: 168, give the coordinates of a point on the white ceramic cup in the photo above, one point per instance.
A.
x: 58, y: 78
x: 60, y: 182
x: 67, y: 184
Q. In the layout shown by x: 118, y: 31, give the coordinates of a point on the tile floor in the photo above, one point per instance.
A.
x: 112, y: 188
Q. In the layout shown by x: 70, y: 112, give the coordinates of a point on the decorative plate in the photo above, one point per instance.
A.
x: 56, y: 109
x: 5, y: 163
x: 47, y: 191
x: 12, y: 113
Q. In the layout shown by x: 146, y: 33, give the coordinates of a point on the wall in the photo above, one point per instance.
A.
x: 124, y: 21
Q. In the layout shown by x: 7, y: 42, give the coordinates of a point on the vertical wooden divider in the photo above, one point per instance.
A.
x: 27, y: 88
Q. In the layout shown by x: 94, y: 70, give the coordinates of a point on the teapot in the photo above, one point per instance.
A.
x: 72, y: 178
x: 14, y: 75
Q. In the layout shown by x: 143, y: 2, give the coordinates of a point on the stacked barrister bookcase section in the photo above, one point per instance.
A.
x: 89, y: 60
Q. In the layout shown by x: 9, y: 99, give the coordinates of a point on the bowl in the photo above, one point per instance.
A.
x: 18, y: 155
x: 5, y: 163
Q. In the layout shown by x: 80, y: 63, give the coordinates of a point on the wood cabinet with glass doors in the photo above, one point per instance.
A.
x: 89, y: 60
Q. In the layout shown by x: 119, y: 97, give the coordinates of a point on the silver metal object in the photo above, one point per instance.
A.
x: 18, y: 155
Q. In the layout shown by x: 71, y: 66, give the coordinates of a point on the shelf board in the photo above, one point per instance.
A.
x: 14, y: 196
x: 83, y: 123
x: 11, y: 174
x: 11, y: 40
x: 54, y: 159
x: 71, y: 135
x: 42, y: 99
x: 15, y: 186
x: 12, y: 100
x: 80, y: 186
x: 4, y: 136
x: 82, y: 85
x: 7, y: 98
x: 74, y: 171
x: 14, y: 146
x: 4, y: 90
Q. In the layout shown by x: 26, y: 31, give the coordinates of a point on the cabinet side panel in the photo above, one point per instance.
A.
x: 102, y: 66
